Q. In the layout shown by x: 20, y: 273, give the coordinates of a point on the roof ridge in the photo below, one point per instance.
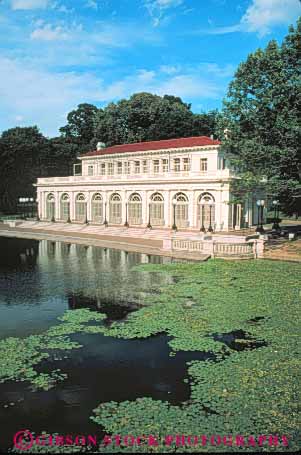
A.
x: 191, y: 141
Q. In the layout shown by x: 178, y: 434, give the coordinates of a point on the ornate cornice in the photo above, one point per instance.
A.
x: 177, y: 151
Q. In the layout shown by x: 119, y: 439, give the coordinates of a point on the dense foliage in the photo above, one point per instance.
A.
x: 147, y: 117
x: 261, y: 125
x: 247, y: 388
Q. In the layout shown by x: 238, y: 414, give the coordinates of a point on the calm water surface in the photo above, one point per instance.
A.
x: 39, y: 281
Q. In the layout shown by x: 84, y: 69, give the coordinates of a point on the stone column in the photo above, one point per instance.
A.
x: 219, y: 211
x: 191, y: 207
x: 41, y: 204
x: 124, y: 200
x: 89, y: 205
x: 57, y: 205
x: 72, y: 206
x: 167, y: 202
x: 145, y: 201
x: 238, y: 216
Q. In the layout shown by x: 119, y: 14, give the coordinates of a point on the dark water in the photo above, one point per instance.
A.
x: 39, y: 281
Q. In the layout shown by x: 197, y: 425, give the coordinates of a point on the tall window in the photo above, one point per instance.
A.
x: 165, y: 165
x: 115, y: 209
x: 157, y: 210
x: 103, y: 169
x: 119, y: 167
x: 177, y: 164
x: 126, y: 167
x: 97, y: 208
x: 206, y: 211
x: 145, y: 166
x: 135, y: 209
x: 181, y: 208
x: 156, y: 166
x: 80, y: 208
x: 90, y: 170
x: 204, y: 165
x: 110, y: 168
x: 65, y: 207
x: 50, y: 207
x: 186, y: 164
x: 137, y: 167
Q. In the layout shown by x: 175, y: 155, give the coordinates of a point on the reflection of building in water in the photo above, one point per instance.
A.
x: 101, y: 274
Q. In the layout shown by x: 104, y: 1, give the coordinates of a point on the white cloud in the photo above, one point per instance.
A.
x: 61, y: 8
x: 167, y: 3
x: 41, y: 97
x: 31, y: 95
x: 157, y: 9
x: 170, y: 69
x: 50, y: 33
x: 28, y: 4
x: 92, y: 4
x: 188, y: 86
x: 262, y: 15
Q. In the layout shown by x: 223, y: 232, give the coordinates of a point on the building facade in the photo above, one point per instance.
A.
x: 177, y: 183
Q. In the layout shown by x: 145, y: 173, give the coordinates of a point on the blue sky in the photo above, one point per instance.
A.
x: 55, y: 54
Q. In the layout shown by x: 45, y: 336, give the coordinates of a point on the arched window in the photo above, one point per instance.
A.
x: 181, y: 210
x: 65, y: 207
x: 80, y: 208
x: 157, y: 210
x: 50, y: 207
x: 135, y: 209
x: 206, y: 212
x: 115, y: 209
x: 97, y: 208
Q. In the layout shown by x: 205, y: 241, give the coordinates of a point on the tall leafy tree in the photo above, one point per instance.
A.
x: 81, y: 125
x: 21, y: 150
x: 146, y: 117
x: 260, y: 124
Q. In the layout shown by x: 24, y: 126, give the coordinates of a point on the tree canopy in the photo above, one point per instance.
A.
x: 21, y: 154
x: 260, y: 123
x: 146, y: 117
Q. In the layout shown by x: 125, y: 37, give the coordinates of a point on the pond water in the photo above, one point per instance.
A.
x: 39, y: 281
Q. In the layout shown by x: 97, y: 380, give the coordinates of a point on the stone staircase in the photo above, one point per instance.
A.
x: 110, y: 231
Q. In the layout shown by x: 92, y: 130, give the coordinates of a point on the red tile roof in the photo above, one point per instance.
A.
x: 155, y: 145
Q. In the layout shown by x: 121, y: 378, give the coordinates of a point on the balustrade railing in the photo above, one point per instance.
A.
x: 215, y: 249
x: 233, y: 249
x: 125, y: 177
x: 187, y: 245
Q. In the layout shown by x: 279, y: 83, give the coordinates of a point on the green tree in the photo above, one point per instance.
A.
x: 81, y: 125
x: 63, y: 153
x: 260, y: 122
x: 204, y: 124
x: 146, y: 117
x: 21, y: 150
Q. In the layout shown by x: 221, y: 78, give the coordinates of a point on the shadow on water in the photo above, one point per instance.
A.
x: 114, y: 312
x: 231, y: 339
x: 14, y: 254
